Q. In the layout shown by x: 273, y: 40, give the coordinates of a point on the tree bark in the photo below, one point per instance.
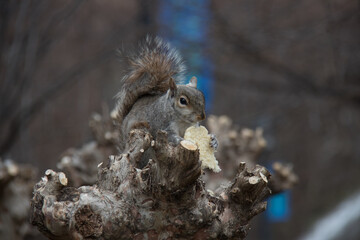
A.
x: 166, y: 199
x: 244, y: 145
x: 16, y: 185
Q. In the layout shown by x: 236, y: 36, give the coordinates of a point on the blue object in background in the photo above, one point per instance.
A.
x: 184, y: 24
x: 278, y: 208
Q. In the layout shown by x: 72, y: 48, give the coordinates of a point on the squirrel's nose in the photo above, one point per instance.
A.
x: 201, y: 116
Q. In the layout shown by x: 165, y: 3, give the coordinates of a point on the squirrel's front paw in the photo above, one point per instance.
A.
x: 176, y: 139
x: 213, y: 141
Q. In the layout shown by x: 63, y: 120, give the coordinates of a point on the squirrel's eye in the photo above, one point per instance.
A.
x: 183, y: 101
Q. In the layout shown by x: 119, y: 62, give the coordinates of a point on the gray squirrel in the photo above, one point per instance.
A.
x: 152, y: 95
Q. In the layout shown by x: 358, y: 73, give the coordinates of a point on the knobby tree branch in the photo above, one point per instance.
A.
x: 165, y: 199
x: 16, y: 185
x: 245, y: 145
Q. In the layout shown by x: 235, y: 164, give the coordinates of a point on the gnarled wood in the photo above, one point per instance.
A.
x: 245, y: 145
x: 165, y: 199
x: 16, y: 185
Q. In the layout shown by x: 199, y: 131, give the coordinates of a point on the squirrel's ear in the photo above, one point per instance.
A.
x: 173, y: 87
x: 193, y: 82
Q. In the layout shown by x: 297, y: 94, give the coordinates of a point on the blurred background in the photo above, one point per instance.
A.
x: 289, y: 67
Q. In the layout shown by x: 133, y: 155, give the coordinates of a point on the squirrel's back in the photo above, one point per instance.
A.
x: 148, y: 72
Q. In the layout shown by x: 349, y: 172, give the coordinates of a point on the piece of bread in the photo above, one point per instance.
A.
x: 199, y: 135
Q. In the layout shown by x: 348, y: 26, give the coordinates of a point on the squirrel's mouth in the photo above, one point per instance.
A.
x: 201, y: 117
x: 191, y: 120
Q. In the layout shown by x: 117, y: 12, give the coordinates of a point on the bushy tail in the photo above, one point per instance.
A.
x: 148, y: 71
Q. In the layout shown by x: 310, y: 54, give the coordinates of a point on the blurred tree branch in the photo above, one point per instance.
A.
x: 300, y: 81
x: 25, y: 48
x: 23, y: 115
x: 31, y: 39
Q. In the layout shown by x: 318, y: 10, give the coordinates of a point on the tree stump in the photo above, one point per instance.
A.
x: 166, y: 199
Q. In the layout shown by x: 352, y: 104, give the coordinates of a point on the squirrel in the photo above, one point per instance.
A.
x: 152, y: 95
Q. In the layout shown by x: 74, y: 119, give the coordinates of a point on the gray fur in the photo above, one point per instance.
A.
x: 164, y: 113
x: 149, y: 70
x: 149, y: 97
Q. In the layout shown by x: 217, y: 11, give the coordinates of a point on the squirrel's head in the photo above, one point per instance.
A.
x: 188, y: 102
